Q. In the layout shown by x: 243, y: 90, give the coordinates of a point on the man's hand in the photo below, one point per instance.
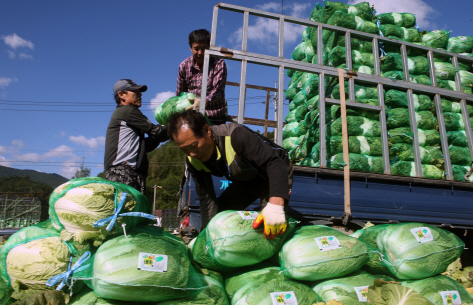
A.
x: 196, y: 103
x: 274, y: 220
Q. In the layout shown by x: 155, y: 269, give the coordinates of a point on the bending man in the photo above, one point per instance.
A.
x: 256, y: 167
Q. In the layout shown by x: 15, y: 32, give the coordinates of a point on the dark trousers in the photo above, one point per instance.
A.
x: 127, y: 175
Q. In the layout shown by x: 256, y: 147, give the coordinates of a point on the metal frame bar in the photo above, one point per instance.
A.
x: 322, y: 135
x: 415, y: 140
x: 443, y: 137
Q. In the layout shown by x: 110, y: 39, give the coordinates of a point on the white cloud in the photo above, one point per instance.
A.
x: 14, y: 41
x: 18, y: 143
x: 6, y: 81
x: 90, y: 142
x: 11, y: 54
x: 4, y: 150
x: 68, y: 168
x: 160, y: 98
x: 3, y: 162
x: 425, y: 14
x: 62, y: 151
x: 25, y: 56
x: 265, y: 31
x: 31, y: 157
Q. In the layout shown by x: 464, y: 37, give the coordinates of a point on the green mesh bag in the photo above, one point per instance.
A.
x: 459, y: 173
x: 392, y: 30
x: 290, y: 117
x: 405, y: 135
x: 436, y: 39
x: 359, y: 69
x: 304, y: 50
x: 407, y: 20
x: 300, y: 112
x: 33, y: 255
x: 267, y: 287
x: 85, y: 208
x: 358, y: 162
x: 229, y: 241
x: 370, y: 235
x: 459, y: 155
x: 173, y: 105
x: 365, y: 46
x: 417, y: 64
x: 465, y: 65
x: 398, y: 99
x: 406, y: 168
x: 312, y: 103
x: 213, y: 294
x: 449, y: 106
x: 399, y: 117
x: 290, y: 130
x: 320, y: 252
x: 334, y: 112
x: 311, y: 87
x: 416, y: 79
x: 358, y: 145
x: 146, y: 265
x: 417, y: 250
x: 308, y: 161
x: 361, y: 92
x: 302, y: 128
x: 337, y: 58
x: 440, y: 289
x: 460, y: 44
x: 289, y: 143
x: 366, y: 26
x: 457, y: 138
x: 357, y: 126
x: 466, y: 79
x: 411, y: 35
x: 405, y: 152
x: 349, y: 290
x: 453, y: 121
x: 445, y: 71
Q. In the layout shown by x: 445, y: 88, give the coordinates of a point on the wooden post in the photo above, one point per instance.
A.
x: 268, y: 95
x: 154, y: 200
x: 346, y: 159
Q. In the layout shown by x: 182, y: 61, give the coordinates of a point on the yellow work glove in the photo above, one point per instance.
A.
x: 274, y: 220
x: 195, y: 103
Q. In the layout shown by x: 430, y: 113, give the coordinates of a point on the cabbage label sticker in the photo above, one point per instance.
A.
x: 362, y: 293
x: 283, y: 298
x: 153, y: 262
x: 422, y: 234
x: 248, y: 215
x: 451, y: 297
x: 328, y: 243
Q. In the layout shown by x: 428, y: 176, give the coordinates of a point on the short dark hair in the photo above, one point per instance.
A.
x: 193, y: 119
x: 117, y: 98
x: 201, y: 35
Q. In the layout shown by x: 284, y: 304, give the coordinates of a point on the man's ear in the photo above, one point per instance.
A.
x: 207, y: 130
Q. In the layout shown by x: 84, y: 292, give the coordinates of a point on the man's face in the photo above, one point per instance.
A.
x: 193, y: 146
x: 130, y: 97
x: 198, y: 50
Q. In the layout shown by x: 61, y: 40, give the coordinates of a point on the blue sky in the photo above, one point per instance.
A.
x: 60, y: 59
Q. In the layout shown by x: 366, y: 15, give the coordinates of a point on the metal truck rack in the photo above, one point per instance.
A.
x: 19, y: 212
x: 281, y: 63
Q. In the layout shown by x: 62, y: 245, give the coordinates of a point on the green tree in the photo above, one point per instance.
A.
x: 82, y: 171
x: 166, y: 167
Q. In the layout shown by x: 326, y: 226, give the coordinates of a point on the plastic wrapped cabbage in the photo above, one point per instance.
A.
x: 441, y: 290
x: 349, y: 290
x: 370, y: 235
x: 146, y: 265
x: 436, y: 39
x: 417, y: 250
x: 267, y: 287
x: 460, y: 44
x: 89, y: 297
x: 34, y: 254
x: 213, y: 294
x: 76, y: 205
x: 229, y: 241
x: 319, y: 252
x: 407, y: 168
x: 173, y: 105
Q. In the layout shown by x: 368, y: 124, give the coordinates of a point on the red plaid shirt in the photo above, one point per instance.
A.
x: 189, y: 79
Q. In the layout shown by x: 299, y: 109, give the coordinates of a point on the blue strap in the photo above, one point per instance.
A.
x: 66, y: 275
x: 112, y: 220
x: 394, y: 160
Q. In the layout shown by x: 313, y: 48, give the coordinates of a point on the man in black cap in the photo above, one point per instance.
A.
x: 126, y: 145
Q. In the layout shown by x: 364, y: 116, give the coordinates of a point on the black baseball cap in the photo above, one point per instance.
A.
x: 128, y: 84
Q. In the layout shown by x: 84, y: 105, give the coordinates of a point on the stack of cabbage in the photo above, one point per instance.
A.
x: 146, y: 265
x: 441, y: 290
x: 76, y: 205
x: 267, y: 287
x: 173, y: 105
x: 229, y: 241
x: 34, y: 254
x: 301, y: 134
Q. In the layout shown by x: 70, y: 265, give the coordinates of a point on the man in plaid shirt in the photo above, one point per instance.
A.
x: 189, y: 77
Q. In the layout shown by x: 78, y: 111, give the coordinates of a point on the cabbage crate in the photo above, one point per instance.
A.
x: 19, y: 212
x: 326, y: 195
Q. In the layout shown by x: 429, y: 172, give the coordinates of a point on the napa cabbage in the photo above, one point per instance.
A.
x: 319, y: 252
